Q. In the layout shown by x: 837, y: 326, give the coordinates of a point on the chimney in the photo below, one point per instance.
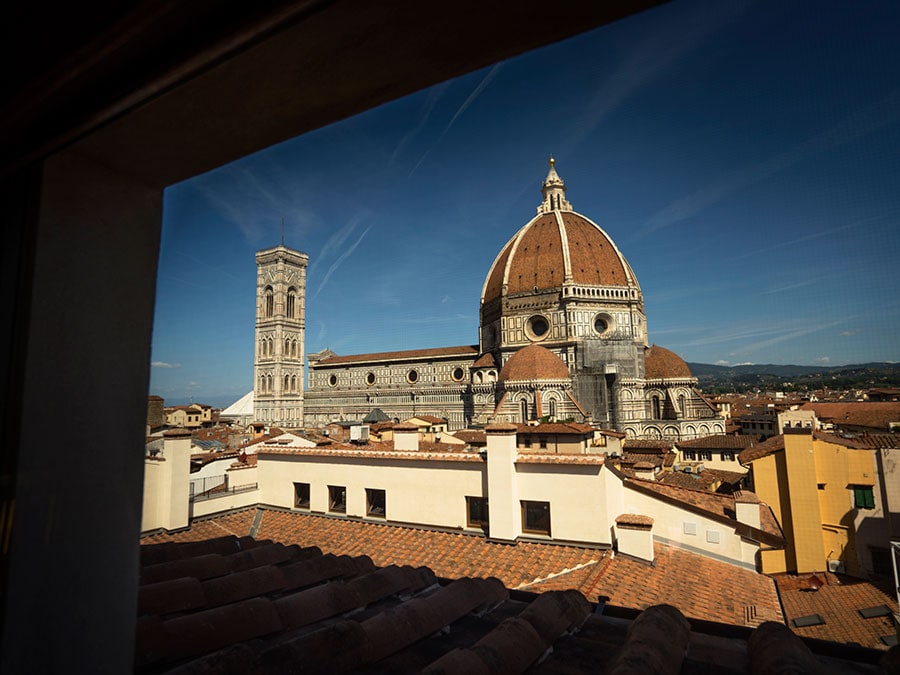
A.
x: 406, y: 437
x: 645, y: 471
x: 746, y: 508
x: 634, y: 536
x: 504, y: 513
x: 167, y: 480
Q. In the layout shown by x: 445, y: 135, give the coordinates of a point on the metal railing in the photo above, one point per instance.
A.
x: 212, y: 487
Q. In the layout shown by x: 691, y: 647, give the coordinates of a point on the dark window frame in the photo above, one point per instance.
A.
x: 376, y: 503
x: 533, y: 512
x: 475, y: 507
x: 863, y: 496
x: 299, y: 488
x: 337, y: 501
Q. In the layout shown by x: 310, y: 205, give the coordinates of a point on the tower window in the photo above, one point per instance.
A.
x: 291, y: 302
x: 270, y: 302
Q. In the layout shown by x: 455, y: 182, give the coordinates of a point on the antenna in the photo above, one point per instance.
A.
x: 282, y: 230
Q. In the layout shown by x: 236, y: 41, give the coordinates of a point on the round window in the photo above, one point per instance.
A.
x: 602, y: 324
x: 537, y: 327
x: 412, y: 376
x: 457, y: 374
x: 370, y: 379
x: 332, y: 380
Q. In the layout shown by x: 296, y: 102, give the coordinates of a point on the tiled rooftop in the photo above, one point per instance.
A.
x: 228, y: 603
x: 838, y: 602
x: 467, y: 351
x: 719, y: 442
x: 660, y: 363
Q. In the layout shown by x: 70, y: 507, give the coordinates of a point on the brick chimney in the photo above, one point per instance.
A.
x: 406, y: 437
x: 634, y: 536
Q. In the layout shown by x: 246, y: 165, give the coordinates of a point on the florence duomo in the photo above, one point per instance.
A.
x: 562, y: 336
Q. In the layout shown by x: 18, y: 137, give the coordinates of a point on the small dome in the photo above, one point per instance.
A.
x: 660, y: 363
x: 534, y: 363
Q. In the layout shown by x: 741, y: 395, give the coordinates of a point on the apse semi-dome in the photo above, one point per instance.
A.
x: 534, y: 362
x: 560, y: 249
x: 661, y: 363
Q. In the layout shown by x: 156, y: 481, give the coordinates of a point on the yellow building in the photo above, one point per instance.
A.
x: 825, y: 492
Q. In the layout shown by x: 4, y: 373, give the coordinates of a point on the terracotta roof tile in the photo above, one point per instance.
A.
x: 661, y: 363
x: 346, y: 615
x: 838, y: 602
x: 534, y: 362
x: 466, y: 351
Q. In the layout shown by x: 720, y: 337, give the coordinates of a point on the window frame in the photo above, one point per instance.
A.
x: 528, y: 524
x: 298, y: 504
x: 867, y: 492
x: 481, y: 504
x: 372, y: 506
x: 332, y: 501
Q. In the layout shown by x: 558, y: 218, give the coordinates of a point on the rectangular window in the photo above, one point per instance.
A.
x: 301, y: 495
x: 375, y: 503
x: 337, y: 499
x: 690, y: 455
x: 526, y: 441
x: 863, y: 497
x: 476, y: 512
x: 544, y: 442
x: 536, y: 517
x: 706, y: 455
x: 727, y: 456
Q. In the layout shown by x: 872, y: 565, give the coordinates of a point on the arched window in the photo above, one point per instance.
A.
x: 287, y: 383
x: 524, y: 405
x: 682, y: 405
x: 552, y: 411
x: 270, y: 302
x: 655, y: 408
x: 287, y: 347
x: 291, y: 302
x: 268, y: 383
x: 294, y: 383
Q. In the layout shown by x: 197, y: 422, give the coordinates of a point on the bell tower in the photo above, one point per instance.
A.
x: 280, y: 327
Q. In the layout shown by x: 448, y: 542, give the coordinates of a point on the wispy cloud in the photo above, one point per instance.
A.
x: 856, y: 125
x: 434, y: 95
x: 480, y: 87
x: 646, y: 60
x: 163, y: 364
x: 346, y: 253
x: 256, y: 200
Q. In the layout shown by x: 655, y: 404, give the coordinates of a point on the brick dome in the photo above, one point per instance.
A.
x: 660, y: 363
x: 534, y: 363
x: 558, y: 247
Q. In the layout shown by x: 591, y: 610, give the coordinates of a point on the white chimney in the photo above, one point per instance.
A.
x: 746, y: 508
x: 406, y: 437
x: 504, y: 514
x: 634, y: 536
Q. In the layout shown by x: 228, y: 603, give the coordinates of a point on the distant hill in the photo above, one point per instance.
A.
x: 722, y: 379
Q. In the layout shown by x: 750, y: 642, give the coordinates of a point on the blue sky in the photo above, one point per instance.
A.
x: 744, y: 156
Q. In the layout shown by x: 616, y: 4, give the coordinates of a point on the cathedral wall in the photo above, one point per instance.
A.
x: 401, y: 389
